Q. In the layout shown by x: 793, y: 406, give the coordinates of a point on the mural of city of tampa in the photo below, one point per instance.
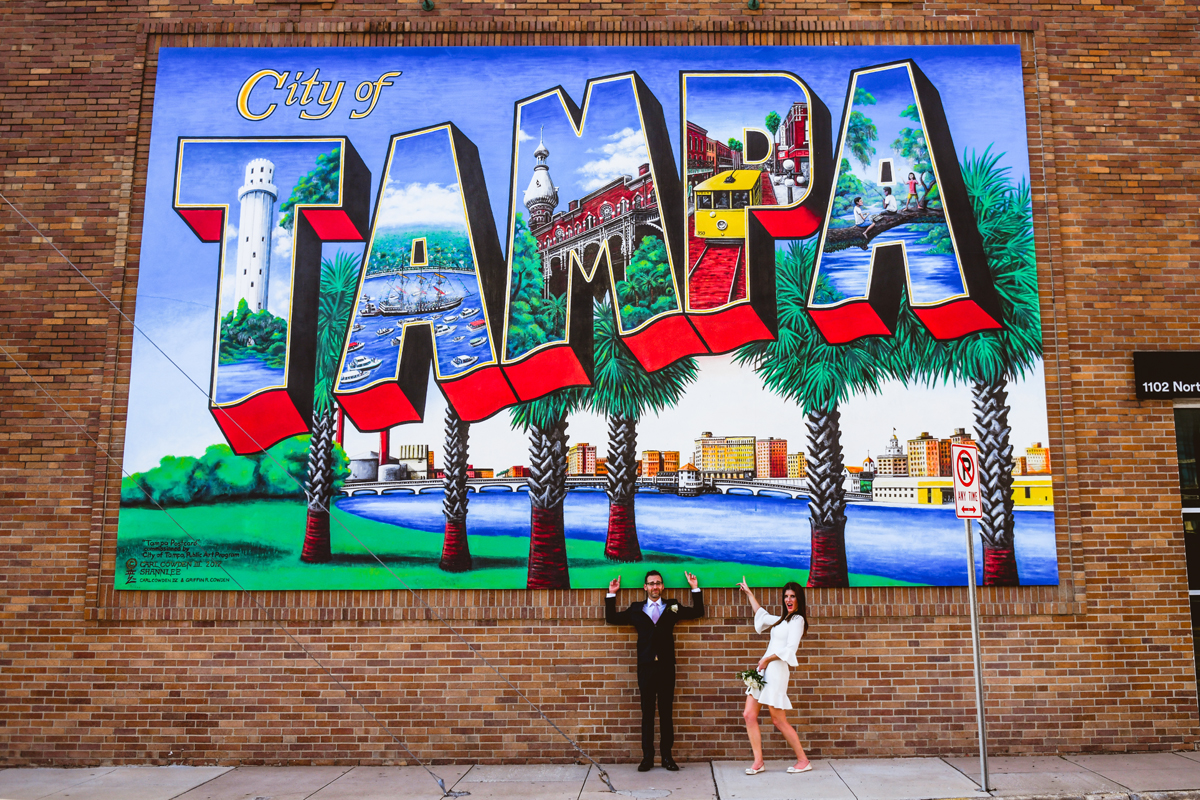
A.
x: 535, y: 318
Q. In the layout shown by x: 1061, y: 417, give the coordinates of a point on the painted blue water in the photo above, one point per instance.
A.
x: 235, y: 381
x: 935, y: 276
x: 380, y: 346
x: 922, y: 545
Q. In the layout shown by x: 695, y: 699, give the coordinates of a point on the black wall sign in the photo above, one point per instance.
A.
x: 1165, y: 375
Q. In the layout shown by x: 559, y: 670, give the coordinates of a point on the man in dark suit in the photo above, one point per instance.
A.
x: 655, y: 619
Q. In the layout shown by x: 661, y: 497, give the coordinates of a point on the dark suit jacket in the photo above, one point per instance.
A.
x: 655, y: 642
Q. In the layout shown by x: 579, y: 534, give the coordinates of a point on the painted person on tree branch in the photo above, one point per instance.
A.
x: 655, y: 618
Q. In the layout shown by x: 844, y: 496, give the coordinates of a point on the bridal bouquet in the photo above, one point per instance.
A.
x: 753, y: 679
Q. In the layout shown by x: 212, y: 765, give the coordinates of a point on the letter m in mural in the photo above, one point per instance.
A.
x: 612, y: 226
x: 294, y: 195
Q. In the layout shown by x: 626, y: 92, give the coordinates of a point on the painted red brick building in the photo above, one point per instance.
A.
x: 770, y: 458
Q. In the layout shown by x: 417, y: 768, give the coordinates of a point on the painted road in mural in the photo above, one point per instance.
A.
x: 627, y: 287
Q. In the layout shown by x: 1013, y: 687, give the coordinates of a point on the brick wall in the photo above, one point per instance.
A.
x: 1102, y: 662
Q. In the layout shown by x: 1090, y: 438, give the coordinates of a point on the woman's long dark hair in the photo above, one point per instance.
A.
x: 801, y: 605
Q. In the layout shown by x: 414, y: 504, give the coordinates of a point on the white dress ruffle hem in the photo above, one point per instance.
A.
x: 785, y: 639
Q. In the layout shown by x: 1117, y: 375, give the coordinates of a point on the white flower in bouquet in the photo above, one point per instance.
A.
x: 675, y: 608
x: 753, y: 679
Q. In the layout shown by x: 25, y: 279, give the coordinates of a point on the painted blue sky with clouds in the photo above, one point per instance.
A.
x: 476, y: 88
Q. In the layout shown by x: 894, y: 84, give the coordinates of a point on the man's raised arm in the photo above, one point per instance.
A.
x: 696, y: 610
x: 611, y: 615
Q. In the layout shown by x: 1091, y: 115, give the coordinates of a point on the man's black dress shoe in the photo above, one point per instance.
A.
x: 670, y: 765
x: 647, y: 765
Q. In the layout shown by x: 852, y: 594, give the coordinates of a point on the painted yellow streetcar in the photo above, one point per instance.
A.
x: 721, y: 202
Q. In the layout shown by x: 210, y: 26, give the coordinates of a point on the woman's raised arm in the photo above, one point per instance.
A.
x: 754, y: 605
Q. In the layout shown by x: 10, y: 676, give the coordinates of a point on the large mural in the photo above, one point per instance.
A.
x: 535, y: 317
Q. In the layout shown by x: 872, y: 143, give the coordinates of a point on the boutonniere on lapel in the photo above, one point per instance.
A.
x: 674, y: 608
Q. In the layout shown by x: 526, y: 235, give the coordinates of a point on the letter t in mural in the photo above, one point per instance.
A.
x: 293, y: 195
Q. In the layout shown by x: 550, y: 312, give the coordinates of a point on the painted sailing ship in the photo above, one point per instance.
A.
x: 421, y: 294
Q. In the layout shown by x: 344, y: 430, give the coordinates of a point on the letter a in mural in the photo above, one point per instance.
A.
x: 294, y: 194
x: 892, y: 229
x: 432, y: 290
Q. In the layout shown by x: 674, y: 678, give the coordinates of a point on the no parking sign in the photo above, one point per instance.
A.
x: 968, y: 502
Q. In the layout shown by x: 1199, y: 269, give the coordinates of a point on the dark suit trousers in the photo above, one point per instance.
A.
x: 656, y: 682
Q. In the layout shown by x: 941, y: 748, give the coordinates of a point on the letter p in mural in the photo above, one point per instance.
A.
x: 753, y: 177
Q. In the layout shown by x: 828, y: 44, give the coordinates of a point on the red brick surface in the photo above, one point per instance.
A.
x: 1102, y: 662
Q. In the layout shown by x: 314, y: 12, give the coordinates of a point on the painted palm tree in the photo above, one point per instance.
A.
x: 623, y: 391
x: 339, y: 283
x: 456, y: 552
x: 988, y: 360
x: 800, y: 366
x: 545, y: 419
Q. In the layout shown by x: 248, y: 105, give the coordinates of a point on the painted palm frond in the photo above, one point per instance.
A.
x: 546, y: 412
x: 1003, y: 215
x: 799, y: 364
x: 339, y: 285
x: 622, y: 386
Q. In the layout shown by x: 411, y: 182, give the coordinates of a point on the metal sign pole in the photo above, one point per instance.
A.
x: 979, y: 715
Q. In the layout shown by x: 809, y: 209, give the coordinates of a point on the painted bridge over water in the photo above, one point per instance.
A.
x: 484, y: 485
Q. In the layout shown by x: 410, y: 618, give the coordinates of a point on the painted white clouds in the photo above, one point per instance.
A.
x: 622, y: 154
x: 431, y: 204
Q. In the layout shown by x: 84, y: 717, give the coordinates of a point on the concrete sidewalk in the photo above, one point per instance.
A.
x: 1074, y: 776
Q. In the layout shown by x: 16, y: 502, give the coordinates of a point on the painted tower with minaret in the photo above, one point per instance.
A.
x: 257, y: 220
x: 541, y: 198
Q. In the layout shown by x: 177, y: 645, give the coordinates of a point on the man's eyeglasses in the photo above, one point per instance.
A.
x: 654, y: 583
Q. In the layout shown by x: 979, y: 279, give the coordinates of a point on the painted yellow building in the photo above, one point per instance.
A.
x: 724, y: 456
x: 1033, y: 490
x: 797, y: 467
x: 1028, y: 490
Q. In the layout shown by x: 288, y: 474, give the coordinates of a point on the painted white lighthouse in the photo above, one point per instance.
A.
x: 257, y: 197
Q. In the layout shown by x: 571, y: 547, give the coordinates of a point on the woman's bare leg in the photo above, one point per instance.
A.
x: 752, y: 730
x: 779, y: 717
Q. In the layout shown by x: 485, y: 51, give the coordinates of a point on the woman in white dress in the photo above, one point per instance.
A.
x: 775, y: 665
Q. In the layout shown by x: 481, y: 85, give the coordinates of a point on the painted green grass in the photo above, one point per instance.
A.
x: 259, y: 543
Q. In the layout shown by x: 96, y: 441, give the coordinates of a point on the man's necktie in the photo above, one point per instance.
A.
x: 654, y: 612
